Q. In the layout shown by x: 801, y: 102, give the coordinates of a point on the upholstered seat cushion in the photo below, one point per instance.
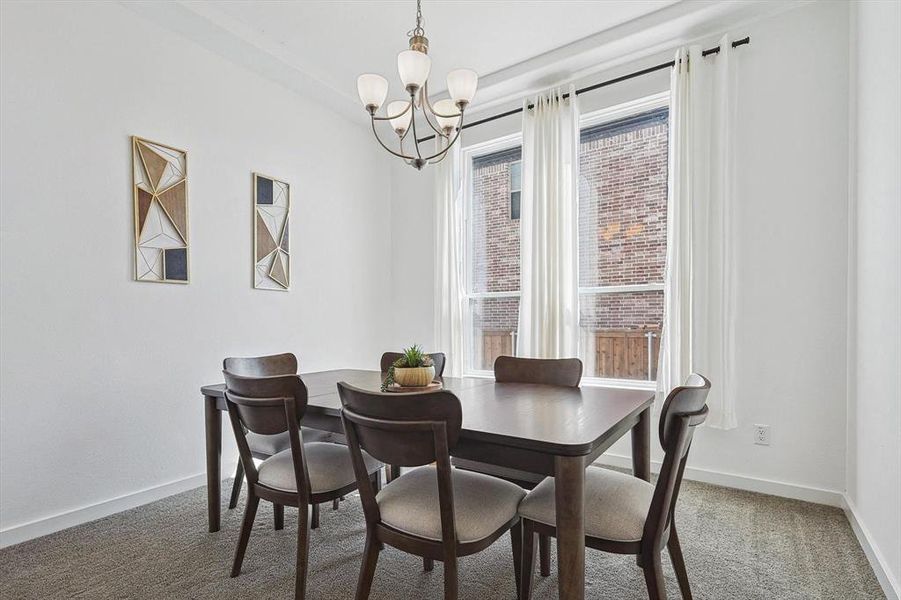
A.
x: 273, y: 444
x: 329, y: 466
x: 616, y: 504
x: 482, y: 504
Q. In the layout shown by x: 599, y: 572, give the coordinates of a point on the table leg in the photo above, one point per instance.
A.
x: 213, y: 426
x: 569, y: 488
x: 641, y: 446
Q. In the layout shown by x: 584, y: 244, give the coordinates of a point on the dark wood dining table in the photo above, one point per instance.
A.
x: 549, y: 430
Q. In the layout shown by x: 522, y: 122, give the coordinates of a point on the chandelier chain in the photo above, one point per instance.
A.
x: 418, y: 30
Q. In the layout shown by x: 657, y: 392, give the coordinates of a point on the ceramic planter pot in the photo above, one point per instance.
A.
x: 414, y: 376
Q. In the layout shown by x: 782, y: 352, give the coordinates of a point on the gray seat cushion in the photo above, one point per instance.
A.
x: 329, y: 467
x: 482, y: 504
x: 273, y: 444
x: 616, y: 505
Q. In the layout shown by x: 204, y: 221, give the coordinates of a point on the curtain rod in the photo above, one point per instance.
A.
x: 591, y: 88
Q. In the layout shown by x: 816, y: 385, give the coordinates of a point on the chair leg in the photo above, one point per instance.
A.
x: 303, y: 553
x: 314, y: 521
x: 335, y: 504
x: 675, y: 552
x: 544, y: 555
x: 528, y: 560
x: 250, y: 513
x: 428, y: 564
x: 236, y: 486
x: 516, y: 544
x: 367, y: 568
x: 653, y: 577
x: 450, y: 578
x: 278, y: 516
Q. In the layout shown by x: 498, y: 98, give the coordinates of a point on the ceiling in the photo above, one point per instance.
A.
x: 518, y: 47
x: 333, y: 42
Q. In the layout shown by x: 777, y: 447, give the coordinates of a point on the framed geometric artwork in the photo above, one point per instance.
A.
x: 160, y: 212
x: 271, y: 250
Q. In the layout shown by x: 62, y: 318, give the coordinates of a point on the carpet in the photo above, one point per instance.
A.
x: 737, y: 545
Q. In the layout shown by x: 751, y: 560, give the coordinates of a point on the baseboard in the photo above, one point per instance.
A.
x: 742, y: 482
x: 40, y: 527
x: 889, y: 585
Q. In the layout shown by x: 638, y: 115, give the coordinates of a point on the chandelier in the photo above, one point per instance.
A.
x: 445, y: 117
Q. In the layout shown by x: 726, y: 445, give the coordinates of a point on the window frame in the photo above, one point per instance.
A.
x: 468, y: 154
x: 593, y: 119
x: 507, y: 142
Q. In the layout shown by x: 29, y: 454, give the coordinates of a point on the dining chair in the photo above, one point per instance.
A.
x: 625, y: 514
x: 264, y: 446
x: 388, y: 359
x: 302, y: 476
x: 565, y: 372
x: 436, y: 511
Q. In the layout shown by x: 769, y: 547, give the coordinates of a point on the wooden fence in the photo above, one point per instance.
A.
x: 610, y: 353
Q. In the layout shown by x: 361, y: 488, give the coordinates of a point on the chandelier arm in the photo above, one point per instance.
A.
x: 435, y: 112
x: 379, y: 140
x: 444, y: 154
x: 415, y: 137
x: 406, y: 161
x: 388, y: 118
x: 452, y: 142
x: 424, y: 102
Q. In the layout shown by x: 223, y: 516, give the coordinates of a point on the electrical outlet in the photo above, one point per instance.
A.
x: 762, y: 435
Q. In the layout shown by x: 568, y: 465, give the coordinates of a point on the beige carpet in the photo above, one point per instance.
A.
x: 737, y: 545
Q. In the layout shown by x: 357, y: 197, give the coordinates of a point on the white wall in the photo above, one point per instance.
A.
x: 874, y: 391
x: 100, y: 375
x: 792, y: 246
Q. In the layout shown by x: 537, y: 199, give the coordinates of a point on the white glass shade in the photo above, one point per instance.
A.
x: 461, y: 85
x: 413, y: 68
x: 373, y: 89
x: 400, y: 123
x: 446, y: 107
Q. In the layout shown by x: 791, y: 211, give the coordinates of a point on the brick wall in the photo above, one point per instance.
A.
x: 622, y: 225
x: 622, y: 228
x: 495, y: 236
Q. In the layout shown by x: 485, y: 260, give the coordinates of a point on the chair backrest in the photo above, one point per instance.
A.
x: 267, y: 405
x: 405, y: 430
x: 388, y: 359
x: 262, y: 366
x: 684, y: 409
x: 548, y: 371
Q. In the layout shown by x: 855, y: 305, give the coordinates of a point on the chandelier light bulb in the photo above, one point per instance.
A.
x: 461, y: 85
x: 373, y: 89
x: 413, y: 67
x: 447, y: 114
x: 399, y: 119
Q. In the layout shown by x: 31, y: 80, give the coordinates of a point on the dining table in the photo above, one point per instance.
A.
x: 549, y: 430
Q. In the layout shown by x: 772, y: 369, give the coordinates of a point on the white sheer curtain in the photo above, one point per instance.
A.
x: 549, y: 301
x: 699, y: 311
x: 449, y: 261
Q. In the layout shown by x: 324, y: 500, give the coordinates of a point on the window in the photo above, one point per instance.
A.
x: 622, y: 240
x: 492, y: 252
x: 622, y: 244
x: 515, y: 188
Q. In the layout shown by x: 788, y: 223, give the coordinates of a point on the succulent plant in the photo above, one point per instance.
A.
x: 412, y: 357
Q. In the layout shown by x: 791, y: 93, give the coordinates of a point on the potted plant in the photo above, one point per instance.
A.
x: 414, y: 369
